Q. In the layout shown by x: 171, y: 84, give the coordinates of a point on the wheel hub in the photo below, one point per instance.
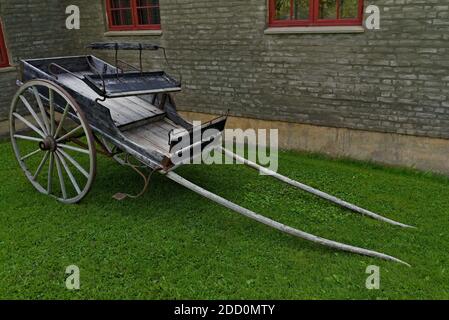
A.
x: 48, y: 144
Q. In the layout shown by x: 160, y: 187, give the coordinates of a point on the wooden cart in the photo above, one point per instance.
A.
x: 75, y: 107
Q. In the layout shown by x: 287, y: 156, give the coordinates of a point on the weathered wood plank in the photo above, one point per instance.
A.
x: 146, y: 139
x: 151, y: 134
x: 124, y: 111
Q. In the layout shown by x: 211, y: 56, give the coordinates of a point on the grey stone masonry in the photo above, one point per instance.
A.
x: 395, y: 79
x: 32, y: 29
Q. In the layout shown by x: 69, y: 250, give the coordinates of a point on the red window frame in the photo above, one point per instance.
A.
x: 135, y: 20
x: 4, y: 60
x: 313, y: 20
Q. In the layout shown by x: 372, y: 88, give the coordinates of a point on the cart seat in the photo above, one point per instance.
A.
x: 131, y: 83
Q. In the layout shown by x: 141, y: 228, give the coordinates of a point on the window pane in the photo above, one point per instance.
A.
x: 122, y: 17
x: 282, y: 10
x: 328, y: 9
x: 121, y: 13
x: 301, y: 9
x: 349, y: 9
x: 155, y: 16
x: 116, y: 19
x: 149, y: 15
x: 147, y: 3
x: 143, y: 3
x: 148, y: 12
x: 143, y: 16
x: 120, y: 4
x: 115, y: 3
x: 127, y: 17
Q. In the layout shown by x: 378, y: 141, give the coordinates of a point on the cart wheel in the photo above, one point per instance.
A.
x: 53, y: 133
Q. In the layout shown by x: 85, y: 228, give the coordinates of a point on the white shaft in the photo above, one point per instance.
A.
x: 314, y: 191
x: 274, y: 224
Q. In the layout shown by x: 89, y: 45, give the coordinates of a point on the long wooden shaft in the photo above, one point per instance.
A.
x: 314, y: 191
x: 276, y: 225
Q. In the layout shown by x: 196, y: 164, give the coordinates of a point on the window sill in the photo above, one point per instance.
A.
x: 333, y: 29
x: 8, y: 69
x: 133, y: 33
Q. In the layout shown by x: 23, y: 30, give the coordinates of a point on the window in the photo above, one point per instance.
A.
x: 133, y: 14
x: 283, y: 13
x: 4, y: 61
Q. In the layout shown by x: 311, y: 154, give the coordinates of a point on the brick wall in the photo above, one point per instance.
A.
x: 393, y: 80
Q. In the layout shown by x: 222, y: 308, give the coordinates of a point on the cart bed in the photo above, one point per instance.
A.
x: 154, y: 135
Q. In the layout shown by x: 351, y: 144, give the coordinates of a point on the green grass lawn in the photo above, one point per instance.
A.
x: 173, y: 244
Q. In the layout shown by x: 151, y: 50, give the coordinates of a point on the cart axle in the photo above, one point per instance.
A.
x: 48, y: 144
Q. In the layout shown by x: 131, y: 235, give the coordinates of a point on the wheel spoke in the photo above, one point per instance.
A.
x: 61, y: 178
x: 18, y: 136
x: 52, y: 111
x: 64, y: 115
x: 73, y: 161
x: 41, y: 165
x: 29, y: 124
x: 50, y: 172
x: 33, y: 113
x: 65, y: 146
x: 68, y: 135
x: 41, y: 107
x: 30, y: 154
x: 69, y: 173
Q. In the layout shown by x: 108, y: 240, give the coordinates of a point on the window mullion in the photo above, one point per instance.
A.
x: 315, y: 10
x: 337, y: 6
x: 291, y: 10
x: 134, y: 13
x: 360, y: 12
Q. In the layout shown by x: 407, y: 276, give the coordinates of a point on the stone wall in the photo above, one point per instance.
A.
x: 393, y: 80
x: 32, y: 29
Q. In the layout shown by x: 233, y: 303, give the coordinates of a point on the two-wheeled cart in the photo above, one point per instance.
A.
x: 68, y: 109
